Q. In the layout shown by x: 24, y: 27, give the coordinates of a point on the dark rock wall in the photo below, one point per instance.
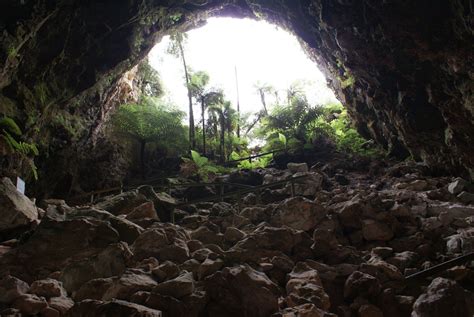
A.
x: 404, y: 69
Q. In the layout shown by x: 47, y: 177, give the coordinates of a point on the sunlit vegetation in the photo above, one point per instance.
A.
x: 284, y: 121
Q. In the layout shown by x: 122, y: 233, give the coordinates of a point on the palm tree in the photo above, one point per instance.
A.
x: 263, y: 89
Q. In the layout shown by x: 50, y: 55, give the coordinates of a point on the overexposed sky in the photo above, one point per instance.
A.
x: 260, y: 51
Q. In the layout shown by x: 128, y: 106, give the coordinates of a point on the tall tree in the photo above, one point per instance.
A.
x: 176, y: 48
x: 205, y: 96
x: 263, y: 89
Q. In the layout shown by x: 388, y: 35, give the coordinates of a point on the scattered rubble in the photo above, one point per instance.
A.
x: 340, y: 247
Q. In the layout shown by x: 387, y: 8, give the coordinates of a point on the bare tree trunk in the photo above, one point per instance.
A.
x: 203, y: 127
x: 192, y: 139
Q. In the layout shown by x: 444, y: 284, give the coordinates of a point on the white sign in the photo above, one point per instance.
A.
x: 20, y: 185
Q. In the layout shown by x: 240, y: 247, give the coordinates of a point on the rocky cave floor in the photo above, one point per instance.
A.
x: 341, y: 247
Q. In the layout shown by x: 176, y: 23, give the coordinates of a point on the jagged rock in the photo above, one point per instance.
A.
x: 127, y: 230
x: 369, y: 310
x: 444, y: 298
x: 304, y: 286
x: 466, y: 197
x: 47, y: 288
x: 209, y: 267
x: 30, y: 304
x: 94, y: 308
x: 164, y: 203
x: 129, y: 283
x: 145, y: 210
x: 111, y: 261
x: 11, y: 288
x: 165, y: 242
x: 16, y: 209
x: 123, y: 203
x: 298, y: 213
x: 297, y: 167
x: 361, y: 284
x: 178, y: 287
x: 306, y: 310
x: 233, y: 234
x: 376, y: 231
x: 62, y: 304
x: 241, y: 291
x: 457, y: 186
x: 166, y: 271
x: 256, y: 214
x: 207, y: 236
x: 93, y: 289
x: 349, y: 214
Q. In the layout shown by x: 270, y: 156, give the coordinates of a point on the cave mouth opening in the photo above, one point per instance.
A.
x: 256, y: 64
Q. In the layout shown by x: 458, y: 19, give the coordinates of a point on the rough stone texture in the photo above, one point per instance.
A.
x: 94, y: 308
x: 241, y: 291
x: 444, y: 298
x: 298, y: 213
x: 403, y: 68
x: 16, y: 210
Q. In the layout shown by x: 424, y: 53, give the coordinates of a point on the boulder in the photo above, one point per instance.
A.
x: 11, y: 288
x: 298, y: 213
x: 178, y: 287
x: 48, y: 288
x: 145, y: 210
x: 297, y: 167
x: 163, y: 241
x: 62, y: 304
x: 16, y: 210
x: 373, y: 230
x: 444, y: 297
x: 30, y: 304
x: 111, y: 261
x: 95, y: 308
x: 361, y: 284
x: 241, y: 291
x: 130, y: 282
x: 457, y: 186
x: 123, y: 203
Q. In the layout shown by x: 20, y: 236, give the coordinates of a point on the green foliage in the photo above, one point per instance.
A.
x: 10, y: 131
x: 260, y: 162
x: 151, y: 121
x: 149, y: 80
x: 200, y: 166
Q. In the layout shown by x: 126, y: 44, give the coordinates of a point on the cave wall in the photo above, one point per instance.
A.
x: 403, y: 68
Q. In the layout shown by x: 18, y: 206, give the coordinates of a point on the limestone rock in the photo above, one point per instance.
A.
x: 233, y: 234
x: 145, y: 210
x: 16, y: 210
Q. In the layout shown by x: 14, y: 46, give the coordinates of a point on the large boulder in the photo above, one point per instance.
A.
x: 95, y: 308
x: 241, y: 291
x: 122, y: 203
x: 298, y: 213
x: 16, y: 210
x: 444, y: 297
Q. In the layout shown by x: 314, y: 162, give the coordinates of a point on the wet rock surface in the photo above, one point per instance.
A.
x: 342, y: 251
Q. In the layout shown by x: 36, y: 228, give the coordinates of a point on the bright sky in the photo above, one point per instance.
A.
x: 260, y: 51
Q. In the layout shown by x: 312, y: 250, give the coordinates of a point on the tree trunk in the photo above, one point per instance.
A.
x: 203, y: 127
x: 264, y: 103
x: 142, y: 158
x: 222, y: 140
x: 192, y: 139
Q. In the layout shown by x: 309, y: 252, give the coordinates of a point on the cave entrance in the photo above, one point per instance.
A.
x: 257, y: 66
